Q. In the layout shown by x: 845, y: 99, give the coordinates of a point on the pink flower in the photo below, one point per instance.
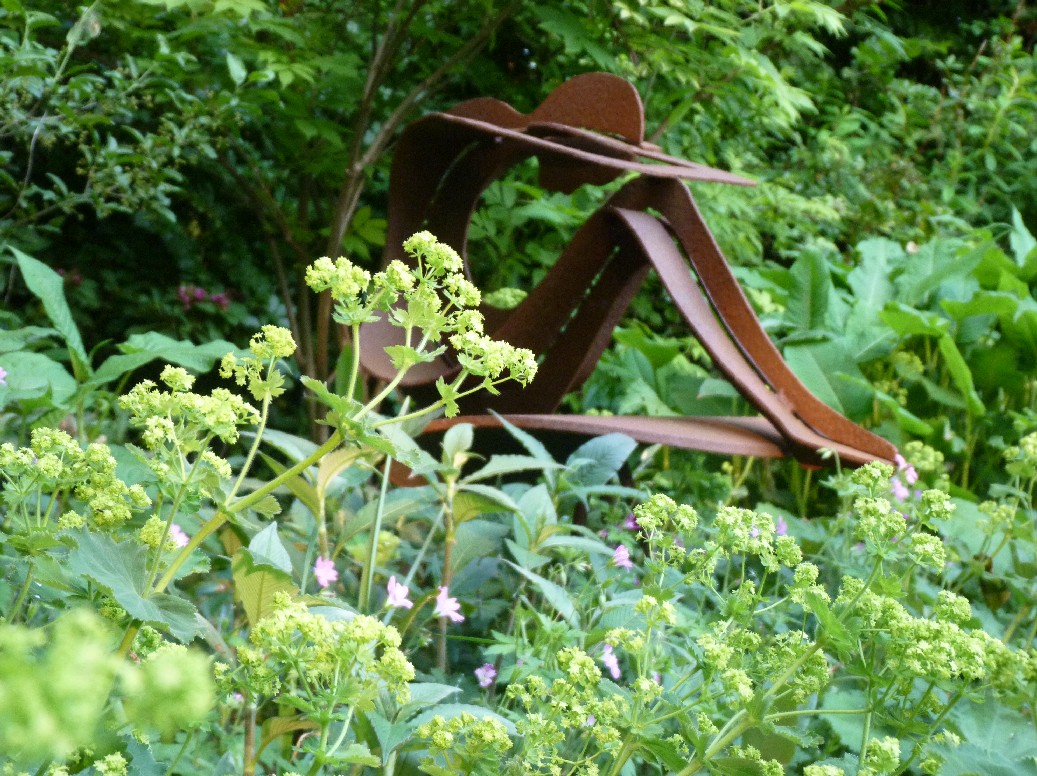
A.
x: 398, y: 594
x: 448, y: 607
x: 176, y: 533
x: 900, y: 491
x: 3, y: 376
x: 621, y: 558
x: 909, y: 471
x: 221, y: 300
x: 324, y: 571
x: 610, y: 660
x: 486, y: 673
x: 781, y: 528
x: 630, y: 523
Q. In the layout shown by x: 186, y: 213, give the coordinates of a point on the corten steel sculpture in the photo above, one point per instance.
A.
x: 591, y: 130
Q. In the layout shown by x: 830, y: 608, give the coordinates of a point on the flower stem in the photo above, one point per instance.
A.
x: 364, y: 598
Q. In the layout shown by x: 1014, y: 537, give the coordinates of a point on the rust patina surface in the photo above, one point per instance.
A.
x: 590, y: 130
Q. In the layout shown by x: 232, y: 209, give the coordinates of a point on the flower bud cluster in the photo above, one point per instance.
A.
x: 432, y: 297
x: 575, y: 705
x: 339, y: 661
x: 54, y: 472
x: 181, y: 417
x: 257, y: 372
x: 1021, y: 459
x: 465, y: 739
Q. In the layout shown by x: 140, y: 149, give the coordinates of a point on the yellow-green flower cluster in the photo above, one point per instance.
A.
x: 881, y: 756
x: 433, y: 302
x: 465, y: 740
x: 937, y: 650
x: 189, y: 418
x: 572, y: 708
x: 761, y: 766
x: 341, y: 661
x: 258, y: 372
x: 55, y: 470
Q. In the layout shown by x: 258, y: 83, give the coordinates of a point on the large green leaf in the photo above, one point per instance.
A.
x: 997, y: 740
x: 477, y: 539
x: 49, y: 287
x: 554, y: 594
x: 832, y: 375
x: 960, y: 374
x: 810, y: 292
x: 141, y: 349
x: 267, y: 549
x: 501, y: 465
x: 255, y: 585
x: 1020, y: 239
x: 597, y: 460
x: 121, y: 568
x: 931, y: 267
x: 869, y: 280
x: 474, y: 500
x: 33, y: 375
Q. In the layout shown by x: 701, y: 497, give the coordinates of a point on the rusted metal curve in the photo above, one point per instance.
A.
x: 589, y: 130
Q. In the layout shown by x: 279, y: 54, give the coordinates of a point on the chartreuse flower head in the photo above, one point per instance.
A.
x: 258, y: 372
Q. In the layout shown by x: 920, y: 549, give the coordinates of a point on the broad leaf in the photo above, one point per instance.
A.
x: 501, y: 465
x: 121, y: 567
x: 49, y: 287
x: 597, y: 460
x: 266, y: 549
x: 255, y: 585
x: 555, y: 595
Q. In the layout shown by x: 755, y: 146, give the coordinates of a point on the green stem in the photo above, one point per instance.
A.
x: 354, y: 369
x: 23, y: 594
x: 263, y: 414
x: 629, y: 745
x: 366, y: 582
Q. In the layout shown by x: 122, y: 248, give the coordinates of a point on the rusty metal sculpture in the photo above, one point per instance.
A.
x: 591, y: 130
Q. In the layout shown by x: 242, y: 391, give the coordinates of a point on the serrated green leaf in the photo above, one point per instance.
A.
x: 390, y: 735
x: 358, y: 754
x: 477, y: 539
x: 121, y: 567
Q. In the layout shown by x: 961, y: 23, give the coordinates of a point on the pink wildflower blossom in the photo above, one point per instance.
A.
x: 324, y: 571
x: 486, y: 673
x: 781, y: 528
x: 621, y: 558
x: 3, y: 376
x: 608, y: 657
x: 448, y: 607
x: 398, y: 594
x: 176, y: 533
x: 909, y: 471
x: 630, y: 523
x: 900, y: 491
